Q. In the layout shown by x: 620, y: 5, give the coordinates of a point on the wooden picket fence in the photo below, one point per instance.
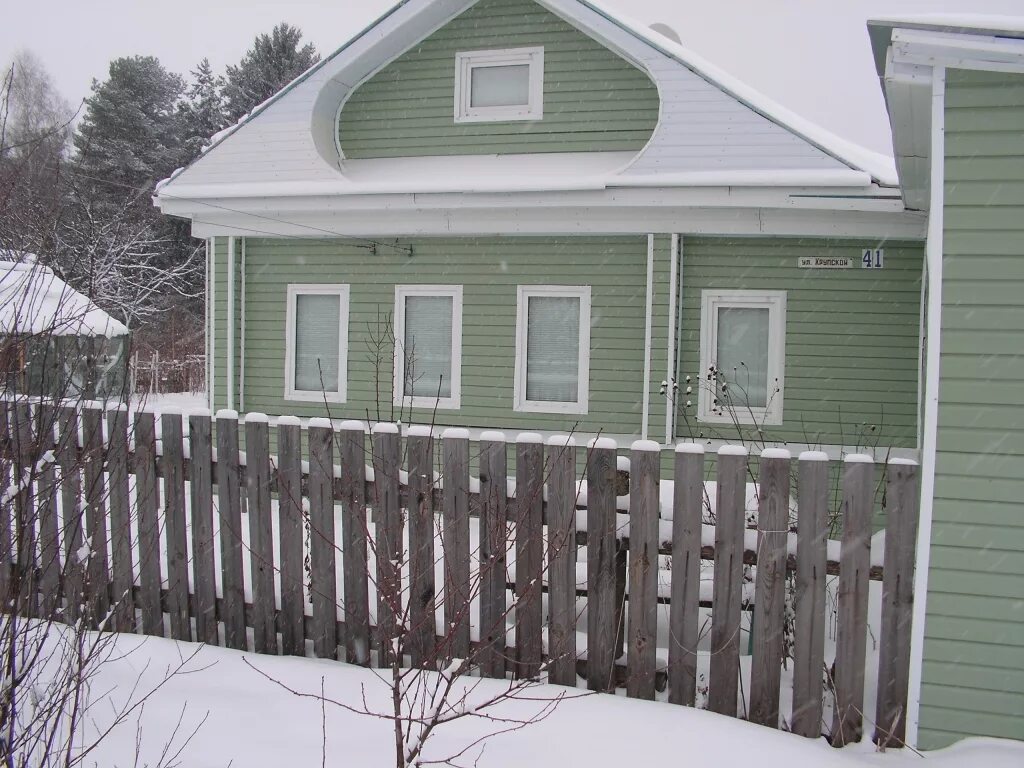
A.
x: 194, y: 494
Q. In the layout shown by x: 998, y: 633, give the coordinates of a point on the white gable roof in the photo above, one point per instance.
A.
x: 34, y: 301
x: 713, y: 129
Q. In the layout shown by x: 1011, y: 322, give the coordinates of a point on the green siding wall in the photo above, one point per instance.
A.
x: 973, y: 681
x: 851, y: 337
x: 593, y: 99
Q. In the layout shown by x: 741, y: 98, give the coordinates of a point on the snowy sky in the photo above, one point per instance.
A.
x: 812, y: 56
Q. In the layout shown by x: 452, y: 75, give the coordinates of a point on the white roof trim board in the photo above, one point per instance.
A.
x: 34, y: 301
x: 289, y: 141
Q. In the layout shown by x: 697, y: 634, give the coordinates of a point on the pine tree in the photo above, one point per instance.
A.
x: 273, y: 61
x: 203, y: 110
x: 131, y: 134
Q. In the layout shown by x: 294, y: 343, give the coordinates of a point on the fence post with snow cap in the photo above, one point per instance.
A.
x: 602, y: 548
x: 561, y: 521
x: 322, y: 577
x: 642, y: 636
x: 684, y: 610
x: 770, y: 588
x: 852, y: 621
x: 455, y: 540
x: 385, y: 442
x: 811, y: 562
x: 723, y: 679
x: 354, y: 543
x: 290, y: 532
x: 897, y: 602
x: 493, y: 533
x: 529, y: 522
x: 229, y: 504
x: 422, y: 589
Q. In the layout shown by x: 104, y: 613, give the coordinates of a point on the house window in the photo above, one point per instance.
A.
x: 496, y: 86
x: 428, y: 346
x: 553, y: 349
x: 316, y: 349
x: 743, y: 357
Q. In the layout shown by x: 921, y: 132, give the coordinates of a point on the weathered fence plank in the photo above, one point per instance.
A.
x: 229, y: 505
x: 493, y: 552
x: 323, y: 573
x: 684, y: 611
x: 94, y: 451
x: 121, y: 568
x: 388, y: 540
x: 147, y: 501
x: 354, y: 548
x: 204, y: 569
x: 529, y: 522
x: 811, y: 553
x: 770, y: 587
x: 261, y: 532
x: 602, y: 549
x: 642, y: 638
x: 852, y: 621
x: 175, y: 525
x: 723, y: 679
x: 290, y: 527
x: 25, y: 592
x: 6, y: 532
x: 422, y: 597
x: 897, y: 603
x: 561, y: 521
x: 49, y: 524
x: 455, y: 537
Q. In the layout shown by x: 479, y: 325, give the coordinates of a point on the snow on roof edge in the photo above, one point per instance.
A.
x: 956, y: 21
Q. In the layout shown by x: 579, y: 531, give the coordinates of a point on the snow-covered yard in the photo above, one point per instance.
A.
x: 240, y: 718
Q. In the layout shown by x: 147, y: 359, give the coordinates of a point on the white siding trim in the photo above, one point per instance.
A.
x: 648, y: 330
x: 290, y: 393
x: 775, y: 302
x: 229, y: 368
x: 402, y: 292
x: 524, y: 293
x: 241, y: 340
x: 929, y: 446
x: 670, y: 358
x: 211, y: 361
x: 467, y: 61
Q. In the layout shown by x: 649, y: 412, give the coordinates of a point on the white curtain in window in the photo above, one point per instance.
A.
x: 553, y: 349
x: 743, y: 354
x: 428, y: 346
x: 502, y: 86
x: 317, y: 335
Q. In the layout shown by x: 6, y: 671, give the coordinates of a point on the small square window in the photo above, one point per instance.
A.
x: 743, y: 358
x: 499, y: 86
x: 316, y: 345
x: 553, y: 349
x: 428, y: 346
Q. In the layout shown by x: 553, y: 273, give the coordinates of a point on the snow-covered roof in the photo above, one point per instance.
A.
x: 33, y: 300
x: 274, y: 145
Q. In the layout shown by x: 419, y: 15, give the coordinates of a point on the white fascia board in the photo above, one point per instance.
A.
x: 571, y: 220
x: 957, y: 50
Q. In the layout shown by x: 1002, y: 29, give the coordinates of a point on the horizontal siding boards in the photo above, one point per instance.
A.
x: 851, y: 336
x: 974, y: 632
x: 593, y: 99
x: 489, y: 270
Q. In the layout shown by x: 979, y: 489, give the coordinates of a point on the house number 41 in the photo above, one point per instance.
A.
x: 873, y: 258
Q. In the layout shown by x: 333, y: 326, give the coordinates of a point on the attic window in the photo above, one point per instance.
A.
x: 499, y: 86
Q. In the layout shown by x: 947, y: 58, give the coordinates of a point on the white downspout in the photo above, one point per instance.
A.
x: 229, y: 368
x: 211, y: 361
x: 670, y: 358
x: 241, y: 340
x: 648, y: 318
x: 933, y: 251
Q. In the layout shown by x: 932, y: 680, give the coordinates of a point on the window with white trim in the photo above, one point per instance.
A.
x: 316, y: 342
x: 428, y: 346
x: 553, y: 349
x: 742, y: 356
x: 499, y: 85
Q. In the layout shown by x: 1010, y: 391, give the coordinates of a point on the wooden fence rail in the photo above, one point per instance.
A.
x: 339, y: 543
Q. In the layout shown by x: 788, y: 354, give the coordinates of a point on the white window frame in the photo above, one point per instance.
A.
x: 467, y: 61
x: 402, y: 292
x: 342, y: 291
x: 775, y: 302
x: 525, y: 293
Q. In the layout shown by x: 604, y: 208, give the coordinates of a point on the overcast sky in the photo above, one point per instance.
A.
x: 812, y: 56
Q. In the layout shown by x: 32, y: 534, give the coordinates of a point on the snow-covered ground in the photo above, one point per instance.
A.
x: 240, y: 718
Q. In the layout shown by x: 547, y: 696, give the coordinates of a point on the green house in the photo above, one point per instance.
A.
x: 955, y: 93
x: 533, y: 215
